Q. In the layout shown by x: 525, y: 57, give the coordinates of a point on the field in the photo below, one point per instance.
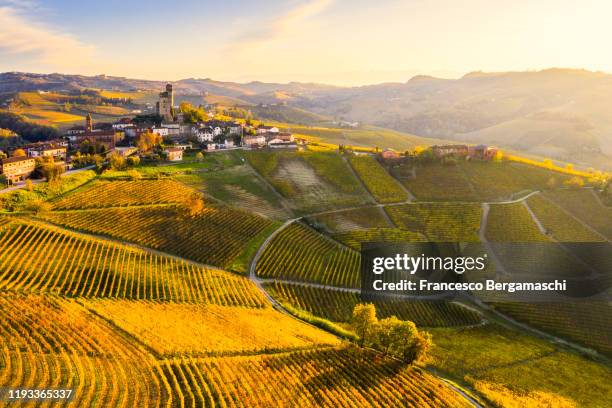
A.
x: 442, y: 222
x: 217, y: 236
x: 238, y: 186
x: 381, y: 185
x: 310, y: 182
x: 585, y: 322
x: 583, y: 205
x: 299, y: 253
x: 35, y: 258
x: 124, y: 193
x: 558, y: 223
x: 512, y: 223
x: 338, y: 306
x: 47, y: 342
x: 175, y: 330
x: 516, y: 370
x: 338, y: 377
x: 361, y: 218
x: 477, y: 181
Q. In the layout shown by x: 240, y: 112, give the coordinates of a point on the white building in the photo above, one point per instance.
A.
x: 254, y: 140
x: 162, y: 131
x: 204, y: 134
x: 267, y: 129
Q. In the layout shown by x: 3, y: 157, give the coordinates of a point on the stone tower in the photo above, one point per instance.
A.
x: 89, y: 123
x: 165, y: 105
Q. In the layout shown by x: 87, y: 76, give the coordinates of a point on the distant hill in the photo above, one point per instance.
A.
x: 558, y: 113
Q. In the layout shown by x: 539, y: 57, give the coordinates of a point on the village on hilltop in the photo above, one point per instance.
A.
x: 167, y: 135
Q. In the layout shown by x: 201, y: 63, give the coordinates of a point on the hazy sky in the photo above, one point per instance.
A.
x: 333, y: 41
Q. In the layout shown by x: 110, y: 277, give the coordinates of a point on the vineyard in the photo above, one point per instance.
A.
x: 176, y: 330
x: 339, y: 377
x: 562, y: 226
x: 125, y: 193
x: 586, y: 322
x: 512, y: 223
x: 299, y: 253
x: 477, y: 181
x: 362, y: 218
x: 217, y: 236
x: 355, y: 238
x: 583, y: 205
x: 35, y: 258
x: 443, y: 222
x: 381, y: 185
x: 46, y: 342
x: 312, y: 181
x: 239, y: 187
x: 338, y: 306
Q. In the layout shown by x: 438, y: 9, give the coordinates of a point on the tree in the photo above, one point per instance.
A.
x: 552, y: 183
x: 199, y: 156
x: 417, y: 350
x: 51, y: 171
x: 403, y: 335
x: 116, y: 161
x: 194, y: 205
x: 385, y: 334
x: 548, y: 163
x: 19, y: 153
x: 148, y: 140
x: 364, y: 322
x: 29, y: 185
x: 133, y: 161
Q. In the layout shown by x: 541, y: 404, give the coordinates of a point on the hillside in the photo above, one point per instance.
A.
x: 114, y: 290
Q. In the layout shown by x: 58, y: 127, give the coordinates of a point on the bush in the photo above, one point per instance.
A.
x: 574, y: 183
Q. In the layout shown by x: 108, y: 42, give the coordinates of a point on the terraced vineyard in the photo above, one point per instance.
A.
x: 339, y: 377
x: 381, y: 185
x: 35, y: 258
x: 586, y: 322
x: 338, y: 306
x: 217, y: 236
x: 312, y: 181
x: 299, y: 253
x: 124, y: 193
x: 583, y: 205
x: 443, y: 222
x: 557, y: 221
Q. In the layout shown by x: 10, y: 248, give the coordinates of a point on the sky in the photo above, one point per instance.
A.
x: 341, y: 42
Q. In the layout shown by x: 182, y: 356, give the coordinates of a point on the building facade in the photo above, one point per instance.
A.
x: 17, y: 168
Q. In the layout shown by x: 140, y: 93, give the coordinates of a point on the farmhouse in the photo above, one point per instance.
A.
x: 17, y: 168
x: 52, y: 148
x: 281, y: 137
x: 126, y: 151
x: 450, y: 150
x: 254, y: 140
x: 267, y: 129
x: 389, y: 154
x: 482, y: 152
x: 174, y: 153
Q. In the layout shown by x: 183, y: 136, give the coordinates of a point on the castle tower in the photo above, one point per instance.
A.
x: 165, y: 106
x: 89, y: 123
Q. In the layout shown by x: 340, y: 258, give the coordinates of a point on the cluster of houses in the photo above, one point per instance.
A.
x: 482, y: 152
